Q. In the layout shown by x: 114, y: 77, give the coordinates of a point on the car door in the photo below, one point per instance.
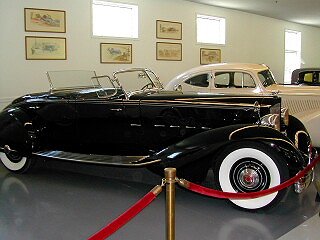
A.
x: 100, y: 125
x: 168, y: 121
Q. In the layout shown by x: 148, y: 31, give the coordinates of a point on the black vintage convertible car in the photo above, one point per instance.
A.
x: 128, y: 120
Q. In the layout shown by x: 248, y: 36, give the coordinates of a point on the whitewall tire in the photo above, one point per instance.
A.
x: 17, y: 164
x: 251, y: 167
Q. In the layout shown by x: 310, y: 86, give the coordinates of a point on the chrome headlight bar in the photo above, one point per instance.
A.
x: 271, y: 120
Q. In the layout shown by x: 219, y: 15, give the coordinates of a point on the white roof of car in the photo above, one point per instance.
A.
x: 246, y: 67
x: 227, y: 66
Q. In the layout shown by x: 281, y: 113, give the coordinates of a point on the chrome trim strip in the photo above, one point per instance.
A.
x: 238, y: 130
x: 159, y: 125
x: 116, y: 109
x: 230, y: 136
x: 134, y: 163
x: 296, y: 137
x: 135, y: 125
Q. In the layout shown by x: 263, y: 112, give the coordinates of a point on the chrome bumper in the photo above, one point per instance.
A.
x: 305, y: 181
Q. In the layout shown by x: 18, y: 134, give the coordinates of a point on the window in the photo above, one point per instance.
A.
x: 222, y: 80
x: 233, y: 80
x: 243, y: 80
x: 266, y: 78
x: 308, y: 77
x: 211, y: 29
x: 199, y: 80
x: 292, y: 53
x: 111, y: 19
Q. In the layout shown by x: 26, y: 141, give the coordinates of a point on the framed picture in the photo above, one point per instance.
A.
x: 169, y: 30
x: 115, y: 53
x: 45, y: 48
x: 169, y: 51
x: 44, y: 20
x: 208, y: 56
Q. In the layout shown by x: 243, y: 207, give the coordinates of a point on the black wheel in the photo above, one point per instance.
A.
x: 15, y: 162
x: 250, y: 167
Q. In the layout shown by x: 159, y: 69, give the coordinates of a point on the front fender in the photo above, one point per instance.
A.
x: 294, y: 158
x: 197, y: 152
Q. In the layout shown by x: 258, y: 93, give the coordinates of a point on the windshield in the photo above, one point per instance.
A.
x: 80, y: 80
x: 61, y: 80
x: 132, y: 80
x: 266, y: 78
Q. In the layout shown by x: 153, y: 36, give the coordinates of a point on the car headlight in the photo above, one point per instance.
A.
x: 271, y: 120
x: 283, y: 112
x: 285, y: 116
x: 275, y: 109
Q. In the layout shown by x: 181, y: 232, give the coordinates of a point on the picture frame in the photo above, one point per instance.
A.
x: 209, y: 56
x: 169, y: 30
x: 115, y: 53
x: 45, y: 48
x: 169, y: 51
x: 44, y: 20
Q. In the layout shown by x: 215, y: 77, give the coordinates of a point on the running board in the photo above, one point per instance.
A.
x: 121, y: 161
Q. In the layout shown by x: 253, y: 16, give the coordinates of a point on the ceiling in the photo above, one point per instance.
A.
x: 298, y: 11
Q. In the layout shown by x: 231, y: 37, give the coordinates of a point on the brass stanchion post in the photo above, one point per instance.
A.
x: 170, y: 177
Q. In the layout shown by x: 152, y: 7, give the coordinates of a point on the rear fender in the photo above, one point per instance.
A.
x: 14, y: 125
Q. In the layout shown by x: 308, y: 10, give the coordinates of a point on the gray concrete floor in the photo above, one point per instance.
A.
x: 53, y: 204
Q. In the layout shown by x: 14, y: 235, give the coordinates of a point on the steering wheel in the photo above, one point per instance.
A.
x: 147, y: 86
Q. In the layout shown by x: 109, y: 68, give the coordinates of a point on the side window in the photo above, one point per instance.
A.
x: 201, y: 80
x: 222, y: 80
x: 243, y: 80
x: 308, y: 77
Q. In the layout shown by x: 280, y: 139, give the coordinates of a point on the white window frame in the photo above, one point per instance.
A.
x: 292, y: 49
x: 217, y: 27
x: 130, y: 28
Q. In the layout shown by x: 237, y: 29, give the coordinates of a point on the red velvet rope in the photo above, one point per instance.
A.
x: 150, y: 196
x: 126, y: 216
x: 230, y: 195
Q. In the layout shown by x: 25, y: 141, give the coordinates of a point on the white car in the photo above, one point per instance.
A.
x: 303, y: 102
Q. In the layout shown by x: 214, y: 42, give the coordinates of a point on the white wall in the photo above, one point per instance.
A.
x: 250, y: 38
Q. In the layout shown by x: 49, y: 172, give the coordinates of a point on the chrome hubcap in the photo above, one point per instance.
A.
x: 249, y: 175
x: 249, y: 178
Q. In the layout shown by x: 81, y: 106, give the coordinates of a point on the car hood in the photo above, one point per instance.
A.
x: 294, y: 89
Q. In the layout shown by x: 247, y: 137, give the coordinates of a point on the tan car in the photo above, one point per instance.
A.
x: 241, y: 78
